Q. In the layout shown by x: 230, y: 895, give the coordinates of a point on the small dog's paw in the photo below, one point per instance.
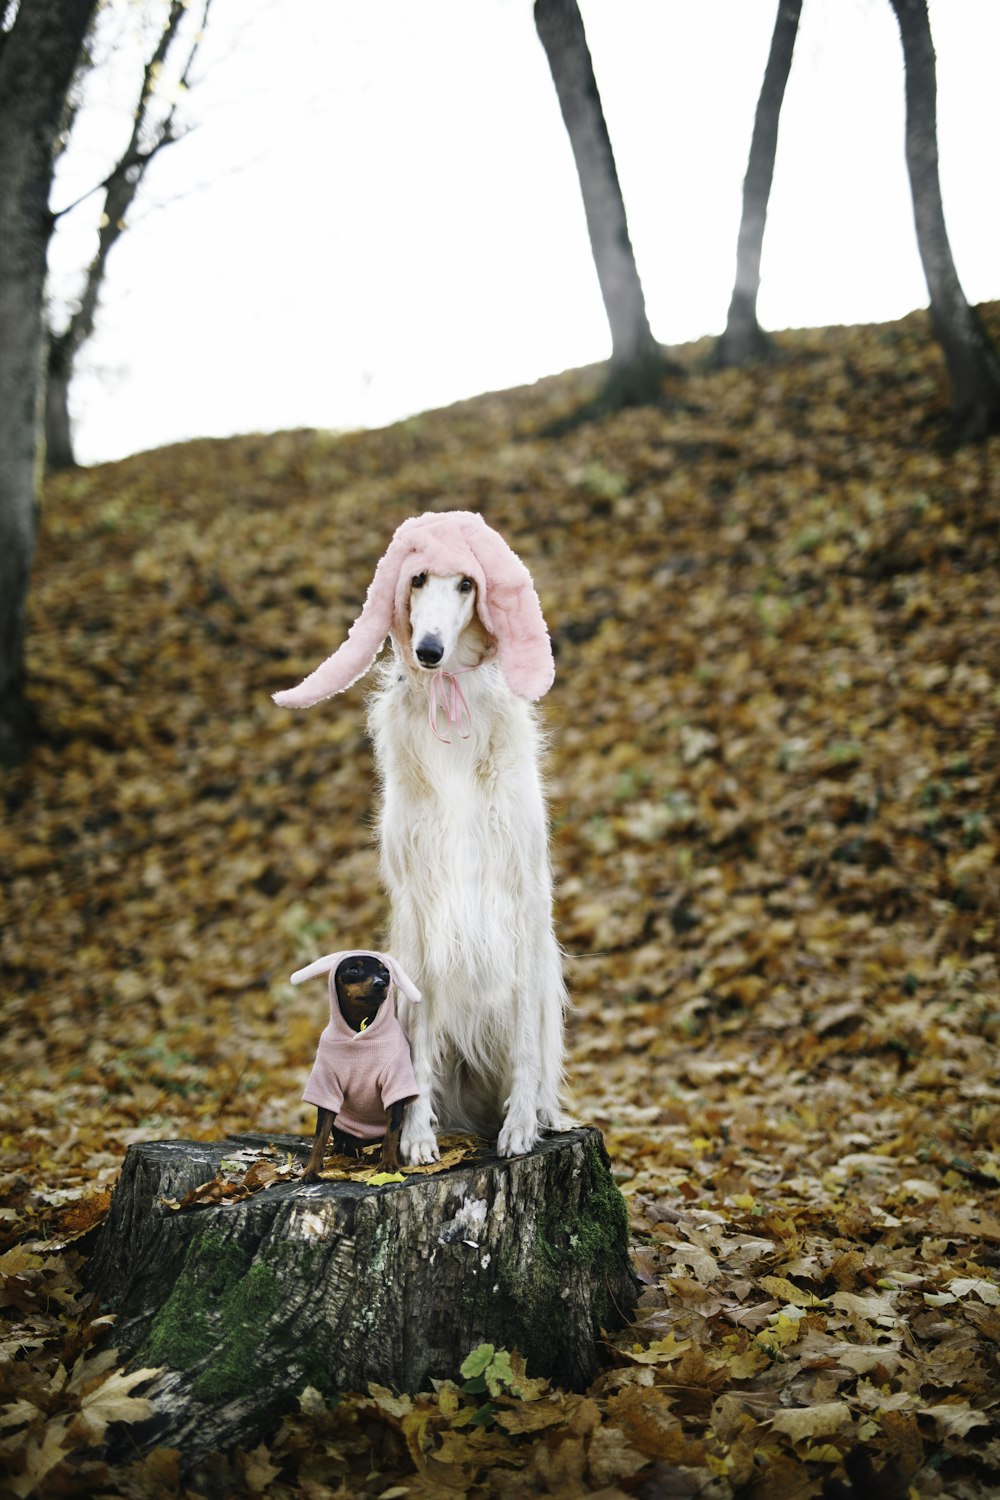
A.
x: 517, y: 1137
x: 421, y: 1151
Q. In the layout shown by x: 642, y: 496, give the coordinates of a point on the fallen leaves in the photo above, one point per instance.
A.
x: 453, y: 1150
x: 46, y: 1431
x: 243, y: 1173
x: 774, y: 783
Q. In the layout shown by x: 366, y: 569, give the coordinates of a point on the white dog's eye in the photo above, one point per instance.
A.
x: 418, y: 581
x: 466, y: 586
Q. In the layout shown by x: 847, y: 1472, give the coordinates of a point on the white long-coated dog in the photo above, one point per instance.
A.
x: 463, y: 826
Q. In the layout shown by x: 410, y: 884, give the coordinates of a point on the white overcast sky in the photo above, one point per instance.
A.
x: 378, y: 212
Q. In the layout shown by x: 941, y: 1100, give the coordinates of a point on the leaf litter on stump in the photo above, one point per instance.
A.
x: 773, y: 775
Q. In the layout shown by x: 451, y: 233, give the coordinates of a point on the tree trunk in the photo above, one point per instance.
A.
x: 973, y: 361
x: 335, y: 1284
x: 36, y: 65
x: 120, y: 189
x: 58, y: 431
x: 636, y: 362
x: 744, y: 339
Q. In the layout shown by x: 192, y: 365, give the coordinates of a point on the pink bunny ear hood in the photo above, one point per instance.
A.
x: 330, y: 962
x: 457, y: 541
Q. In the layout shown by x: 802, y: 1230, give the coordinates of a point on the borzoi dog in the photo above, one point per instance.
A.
x: 463, y: 825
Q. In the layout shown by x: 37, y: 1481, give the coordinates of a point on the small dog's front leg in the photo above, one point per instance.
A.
x: 324, y: 1124
x: 389, y: 1160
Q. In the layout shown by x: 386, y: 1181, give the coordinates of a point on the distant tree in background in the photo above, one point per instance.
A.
x: 155, y: 126
x: 973, y: 361
x: 637, y: 363
x: 39, y: 46
x: 744, y: 339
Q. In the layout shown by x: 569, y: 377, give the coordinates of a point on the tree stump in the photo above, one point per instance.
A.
x: 335, y: 1284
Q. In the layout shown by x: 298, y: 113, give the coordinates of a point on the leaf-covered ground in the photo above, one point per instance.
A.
x: 774, y: 785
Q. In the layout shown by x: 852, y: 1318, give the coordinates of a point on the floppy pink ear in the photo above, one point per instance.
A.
x: 403, y: 982
x: 323, y: 965
x: 513, y: 615
x: 364, y: 640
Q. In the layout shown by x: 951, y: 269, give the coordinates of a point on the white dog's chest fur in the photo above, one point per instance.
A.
x: 464, y: 853
x: 462, y: 828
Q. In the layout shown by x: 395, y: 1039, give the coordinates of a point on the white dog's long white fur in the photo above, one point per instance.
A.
x: 464, y: 856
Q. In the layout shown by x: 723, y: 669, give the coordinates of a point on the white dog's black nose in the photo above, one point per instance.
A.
x: 430, y: 651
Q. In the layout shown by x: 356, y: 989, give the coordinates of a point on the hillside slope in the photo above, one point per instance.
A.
x: 774, y: 786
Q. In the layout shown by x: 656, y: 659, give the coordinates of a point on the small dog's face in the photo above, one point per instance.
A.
x: 441, y: 610
x: 362, y: 984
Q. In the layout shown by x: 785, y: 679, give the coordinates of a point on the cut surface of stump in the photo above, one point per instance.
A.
x: 335, y: 1284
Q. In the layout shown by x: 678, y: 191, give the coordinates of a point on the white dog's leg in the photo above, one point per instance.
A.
x: 519, y: 1132
x: 418, y: 1141
x: 552, y: 1003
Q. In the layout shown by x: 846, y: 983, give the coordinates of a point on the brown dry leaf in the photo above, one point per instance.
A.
x: 258, y: 1470
x: 207, y: 1194
x: 40, y: 1455
x: 524, y: 1386
x: 822, y: 1419
x: 611, y: 1456
x: 156, y: 1477
x: 111, y: 1400
x: 955, y: 1418
x: 389, y: 1401
x: 535, y: 1417
x: 84, y: 1215
x: 821, y: 1349
x: 903, y: 1440
x: 649, y: 1423
x: 261, y: 1174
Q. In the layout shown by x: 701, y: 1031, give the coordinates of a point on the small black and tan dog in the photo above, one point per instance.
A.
x: 362, y: 985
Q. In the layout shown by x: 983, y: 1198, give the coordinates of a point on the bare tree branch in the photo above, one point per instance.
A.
x: 148, y: 137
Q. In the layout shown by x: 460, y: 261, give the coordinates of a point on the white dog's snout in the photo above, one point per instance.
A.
x: 439, y: 612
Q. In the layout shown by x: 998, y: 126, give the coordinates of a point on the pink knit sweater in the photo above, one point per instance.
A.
x: 358, y: 1074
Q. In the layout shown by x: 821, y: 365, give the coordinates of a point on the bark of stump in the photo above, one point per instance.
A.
x: 335, y: 1284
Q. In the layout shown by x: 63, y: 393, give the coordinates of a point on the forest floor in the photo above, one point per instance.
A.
x: 774, y: 776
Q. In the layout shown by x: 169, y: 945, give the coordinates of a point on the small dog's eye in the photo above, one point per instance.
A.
x: 419, y: 579
x: 466, y: 586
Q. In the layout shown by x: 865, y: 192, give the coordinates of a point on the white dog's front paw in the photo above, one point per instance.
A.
x: 517, y: 1137
x: 420, y: 1149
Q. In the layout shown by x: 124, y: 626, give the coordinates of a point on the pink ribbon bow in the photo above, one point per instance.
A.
x: 446, y: 691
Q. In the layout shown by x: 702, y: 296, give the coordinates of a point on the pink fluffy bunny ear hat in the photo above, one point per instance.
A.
x: 455, y: 541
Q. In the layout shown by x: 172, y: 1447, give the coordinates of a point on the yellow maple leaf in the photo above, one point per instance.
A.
x: 787, y: 1291
x: 660, y: 1351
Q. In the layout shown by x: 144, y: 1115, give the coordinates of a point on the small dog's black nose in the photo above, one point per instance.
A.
x: 430, y: 651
